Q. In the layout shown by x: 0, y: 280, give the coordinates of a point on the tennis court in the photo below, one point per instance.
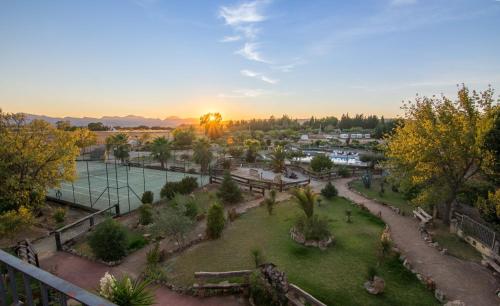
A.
x: 100, y: 185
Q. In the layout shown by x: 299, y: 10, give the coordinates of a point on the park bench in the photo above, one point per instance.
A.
x: 422, y: 215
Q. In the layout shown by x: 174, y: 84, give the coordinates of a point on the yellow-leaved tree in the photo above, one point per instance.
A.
x: 34, y: 156
x: 440, y: 146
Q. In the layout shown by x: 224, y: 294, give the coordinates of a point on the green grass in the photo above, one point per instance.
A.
x: 335, y: 276
x: 389, y: 197
x: 456, y: 246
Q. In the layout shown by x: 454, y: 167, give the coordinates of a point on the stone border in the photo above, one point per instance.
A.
x: 321, y: 244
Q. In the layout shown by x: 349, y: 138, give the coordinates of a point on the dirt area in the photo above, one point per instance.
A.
x: 44, y: 224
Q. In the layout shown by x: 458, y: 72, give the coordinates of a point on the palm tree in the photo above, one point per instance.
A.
x: 160, y: 150
x: 306, y: 198
x: 278, y: 159
x: 202, y: 154
x: 119, y: 145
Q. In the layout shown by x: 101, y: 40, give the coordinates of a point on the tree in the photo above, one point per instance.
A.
x: 212, y: 122
x: 85, y: 138
x: 183, y: 136
x: 439, y: 147
x: 253, y: 146
x: 329, y: 191
x: 215, y: 221
x: 321, y: 162
x: 202, y: 154
x: 119, y: 145
x: 235, y: 151
x: 97, y: 126
x: 160, y: 150
x: 306, y: 198
x: 63, y: 125
x: 278, y: 156
x: 34, y: 156
x: 173, y: 222
x: 229, y: 192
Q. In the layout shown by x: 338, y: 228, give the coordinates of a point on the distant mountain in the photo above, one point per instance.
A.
x: 126, y: 121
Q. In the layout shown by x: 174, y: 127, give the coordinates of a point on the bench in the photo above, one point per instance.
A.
x: 422, y: 215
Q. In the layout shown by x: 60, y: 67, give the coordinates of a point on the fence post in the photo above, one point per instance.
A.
x: 58, y: 241
x: 117, y: 210
x: 91, y: 221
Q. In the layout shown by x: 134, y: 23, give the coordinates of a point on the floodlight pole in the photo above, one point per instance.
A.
x: 143, y: 174
x: 116, y: 178
x: 128, y: 192
x: 107, y: 184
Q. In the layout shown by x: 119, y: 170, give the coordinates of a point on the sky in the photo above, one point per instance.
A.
x: 245, y: 59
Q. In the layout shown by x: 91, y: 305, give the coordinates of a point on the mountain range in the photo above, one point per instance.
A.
x: 125, y: 121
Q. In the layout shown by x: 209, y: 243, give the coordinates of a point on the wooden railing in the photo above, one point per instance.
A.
x: 260, y: 185
x: 25, y: 284
x: 25, y: 251
x: 90, y: 218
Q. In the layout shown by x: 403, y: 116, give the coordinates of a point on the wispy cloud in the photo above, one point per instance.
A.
x: 247, y: 12
x: 257, y: 75
x: 290, y: 66
x: 250, y: 52
x: 231, y: 38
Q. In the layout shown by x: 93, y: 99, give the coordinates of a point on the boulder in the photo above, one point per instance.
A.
x: 376, y: 286
x: 455, y: 303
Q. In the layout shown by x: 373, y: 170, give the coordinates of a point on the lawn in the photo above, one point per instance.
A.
x: 389, y: 197
x: 335, y: 276
x: 456, y: 246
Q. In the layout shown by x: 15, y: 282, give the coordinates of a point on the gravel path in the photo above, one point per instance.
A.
x: 458, y: 279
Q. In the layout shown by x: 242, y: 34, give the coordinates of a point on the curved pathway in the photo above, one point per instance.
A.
x: 458, y: 279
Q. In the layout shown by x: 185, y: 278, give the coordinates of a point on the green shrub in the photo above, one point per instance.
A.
x: 135, y: 241
x: 321, y: 162
x: 109, y: 241
x: 187, y: 185
x: 145, y: 214
x: 169, y: 189
x: 259, y: 292
x: 187, y: 204
x: 215, y: 221
x: 153, y: 256
x: 229, y: 192
x: 313, y: 228
x: 343, y: 171
x: 147, y: 197
x: 184, y: 186
x: 329, y: 191
x: 125, y: 292
x: 59, y: 214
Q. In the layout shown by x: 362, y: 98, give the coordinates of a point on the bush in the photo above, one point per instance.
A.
x: 145, y: 214
x: 321, y: 162
x: 184, y: 186
x: 147, y: 197
x: 186, y: 204
x: 343, y: 172
x: 215, y: 221
x: 313, y: 228
x: 135, y: 241
x: 59, y: 214
x: 187, y: 185
x: 191, y: 208
x: 329, y: 191
x: 153, y: 256
x: 169, y: 189
x: 109, y: 241
x: 12, y: 221
x: 259, y: 292
x: 229, y: 192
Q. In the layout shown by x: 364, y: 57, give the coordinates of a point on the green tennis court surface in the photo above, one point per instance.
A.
x: 100, y: 185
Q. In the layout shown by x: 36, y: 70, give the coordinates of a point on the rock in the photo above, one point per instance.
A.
x: 444, y: 251
x: 435, y: 244
x: 439, y: 295
x: 146, y: 236
x: 485, y: 263
x: 376, y: 286
x: 455, y: 303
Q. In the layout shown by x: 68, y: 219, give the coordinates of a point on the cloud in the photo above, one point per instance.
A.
x: 247, y: 12
x: 250, y: 52
x: 252, y: 93
x: 257, y: 75
x: 249, y: 31
x: 231, y: 38
x: 290, y: 66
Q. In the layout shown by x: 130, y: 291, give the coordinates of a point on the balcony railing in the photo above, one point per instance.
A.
x: 25, y: 284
